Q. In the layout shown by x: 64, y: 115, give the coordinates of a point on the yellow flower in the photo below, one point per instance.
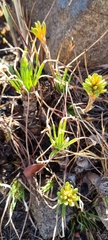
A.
x: 94, y: 85
x: 68, y: 195
x: 40, y: 31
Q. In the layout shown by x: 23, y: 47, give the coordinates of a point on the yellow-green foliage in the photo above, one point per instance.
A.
x: 16, y: 193
x: 40, y: 31
x: 27, y: 77
x: 68, y: 195
x: 58, y: 138
x: 94, y: 85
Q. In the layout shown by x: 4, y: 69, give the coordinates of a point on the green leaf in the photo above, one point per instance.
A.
x: 61, y: 133
x: 94, y: 216
x: 54, y: 152
x: 17, y: 190
x: 54, y: 131
x: 71, y: 110
x: 106, y: 201
x: 57, y: 209
x: 26, y: 72
x: 63, y: 210
x: 70, y: 142
x: 65, y: 74
x: 16, y: 193
x: 16, y: 84
x: 48, y: 186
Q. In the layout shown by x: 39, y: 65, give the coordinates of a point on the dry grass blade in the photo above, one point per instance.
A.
x: 7, y: 205
x: 6, y: 12
x: 21, y: 19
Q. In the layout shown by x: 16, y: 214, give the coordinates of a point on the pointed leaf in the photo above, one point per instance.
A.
x: 70, y: 142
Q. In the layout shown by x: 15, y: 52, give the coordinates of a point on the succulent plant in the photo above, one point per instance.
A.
x: 94, y: 85
x: 40, y: 31
x: 68, y: 195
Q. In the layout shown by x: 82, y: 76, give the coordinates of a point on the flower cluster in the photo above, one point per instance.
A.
x: 68, y: 195
x: 40, y: 31
x: 94, y: 85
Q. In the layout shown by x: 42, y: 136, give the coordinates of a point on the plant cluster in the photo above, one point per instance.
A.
x: 63, y: 135
x: 68, y: 195
x: 27, y: 77
x: 58, y: 138
x: 94, y: 86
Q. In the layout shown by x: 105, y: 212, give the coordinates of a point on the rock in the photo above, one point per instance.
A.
x: 101, y: 210
x: 84, y: 21
x: 100, y: 183
x: 43, y: 210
